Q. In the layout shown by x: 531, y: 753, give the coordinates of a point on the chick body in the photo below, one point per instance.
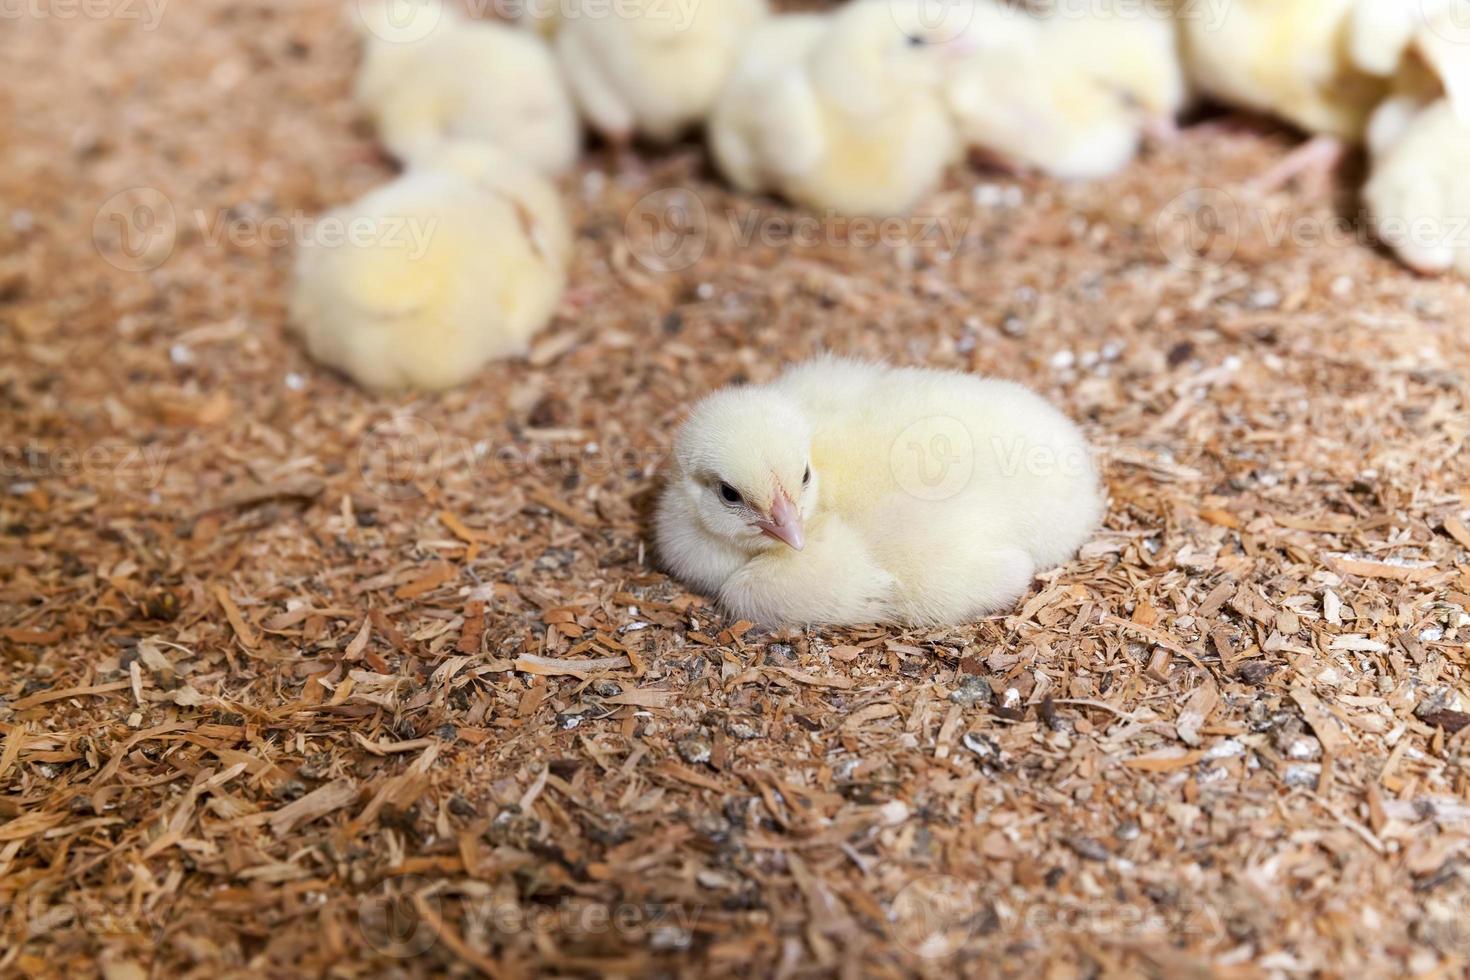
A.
x: 649, y: 67
x: 436, y: 75
x: 422, y: 281
x: 1066, y: 94
x: 838, y: 112
x: 1300, y: 60
x: 1418, y: 193
x: 934, y: 496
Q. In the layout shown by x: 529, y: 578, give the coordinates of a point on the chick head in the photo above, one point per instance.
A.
x: 742, y: 467
x: 882, y: 50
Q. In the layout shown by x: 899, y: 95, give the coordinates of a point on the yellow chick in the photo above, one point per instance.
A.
x: 429, y: 74
x: 840, y: 112
x: 1419, y: 193
x: 421, y: 282
x: 1296, y: 59
x: 648, y: 67
x: 1068, y: 94
x: 1419, y: 147
x: 848, y: 492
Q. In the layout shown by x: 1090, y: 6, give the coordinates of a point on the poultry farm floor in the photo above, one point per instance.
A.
x: 283, y: 666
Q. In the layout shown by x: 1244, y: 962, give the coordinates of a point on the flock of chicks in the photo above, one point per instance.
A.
x: 774, y: 503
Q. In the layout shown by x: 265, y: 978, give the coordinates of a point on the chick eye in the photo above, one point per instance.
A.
x: 915, y: 41
x: 806, y: 477
x: 729, y: 494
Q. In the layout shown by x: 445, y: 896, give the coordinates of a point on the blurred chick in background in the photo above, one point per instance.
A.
x: 1064, y: 91
x: 1418, y: 192
x: 421, y: 282
x: 840, y: 111
x: 848, y: 492
x: 1323, y: 65
x: 430, y: 74
x: 650, y: 68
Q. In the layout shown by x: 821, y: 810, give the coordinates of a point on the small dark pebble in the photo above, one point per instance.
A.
x: 1088, y: 847
x: 972, y: 690
x: 1256, y: 671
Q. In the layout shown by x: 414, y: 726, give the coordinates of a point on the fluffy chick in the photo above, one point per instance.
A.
x: 435, y: 74
x: 1066, y: 94
x: 649, y: 67
x: 420, y: 283
x: 1295, y: 59
x: 848, y: 492
x: 1419, y: 147
x: 1418, y: 193
x: 839, y: 112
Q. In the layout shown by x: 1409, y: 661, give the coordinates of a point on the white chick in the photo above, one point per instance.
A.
x: 841, y: 112
x: 848, y: 492
x: 1419, y: 147
x: 1295, y: 59
x: 649, y: 67
x: 1419, y: 191
x: 430, y: 74
x: 420, y: 283
x: 1068, y: 94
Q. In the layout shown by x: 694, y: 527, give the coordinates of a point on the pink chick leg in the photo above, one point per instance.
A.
x: 1316, y: 158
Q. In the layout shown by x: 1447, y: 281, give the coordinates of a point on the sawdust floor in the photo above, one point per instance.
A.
x: 283, y: 679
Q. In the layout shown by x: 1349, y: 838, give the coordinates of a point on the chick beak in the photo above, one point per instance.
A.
x: 784, y: 523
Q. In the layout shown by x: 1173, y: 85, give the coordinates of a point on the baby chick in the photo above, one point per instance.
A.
x: 1295, y: 59
x: 649, y: 67
x: 418, y: 284
x: 839, y: 112
x: 1418, y: 193
x: 848, y: 492
x: 435, y: 74
x: 1066, y: 94
x: 1419, y: 147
